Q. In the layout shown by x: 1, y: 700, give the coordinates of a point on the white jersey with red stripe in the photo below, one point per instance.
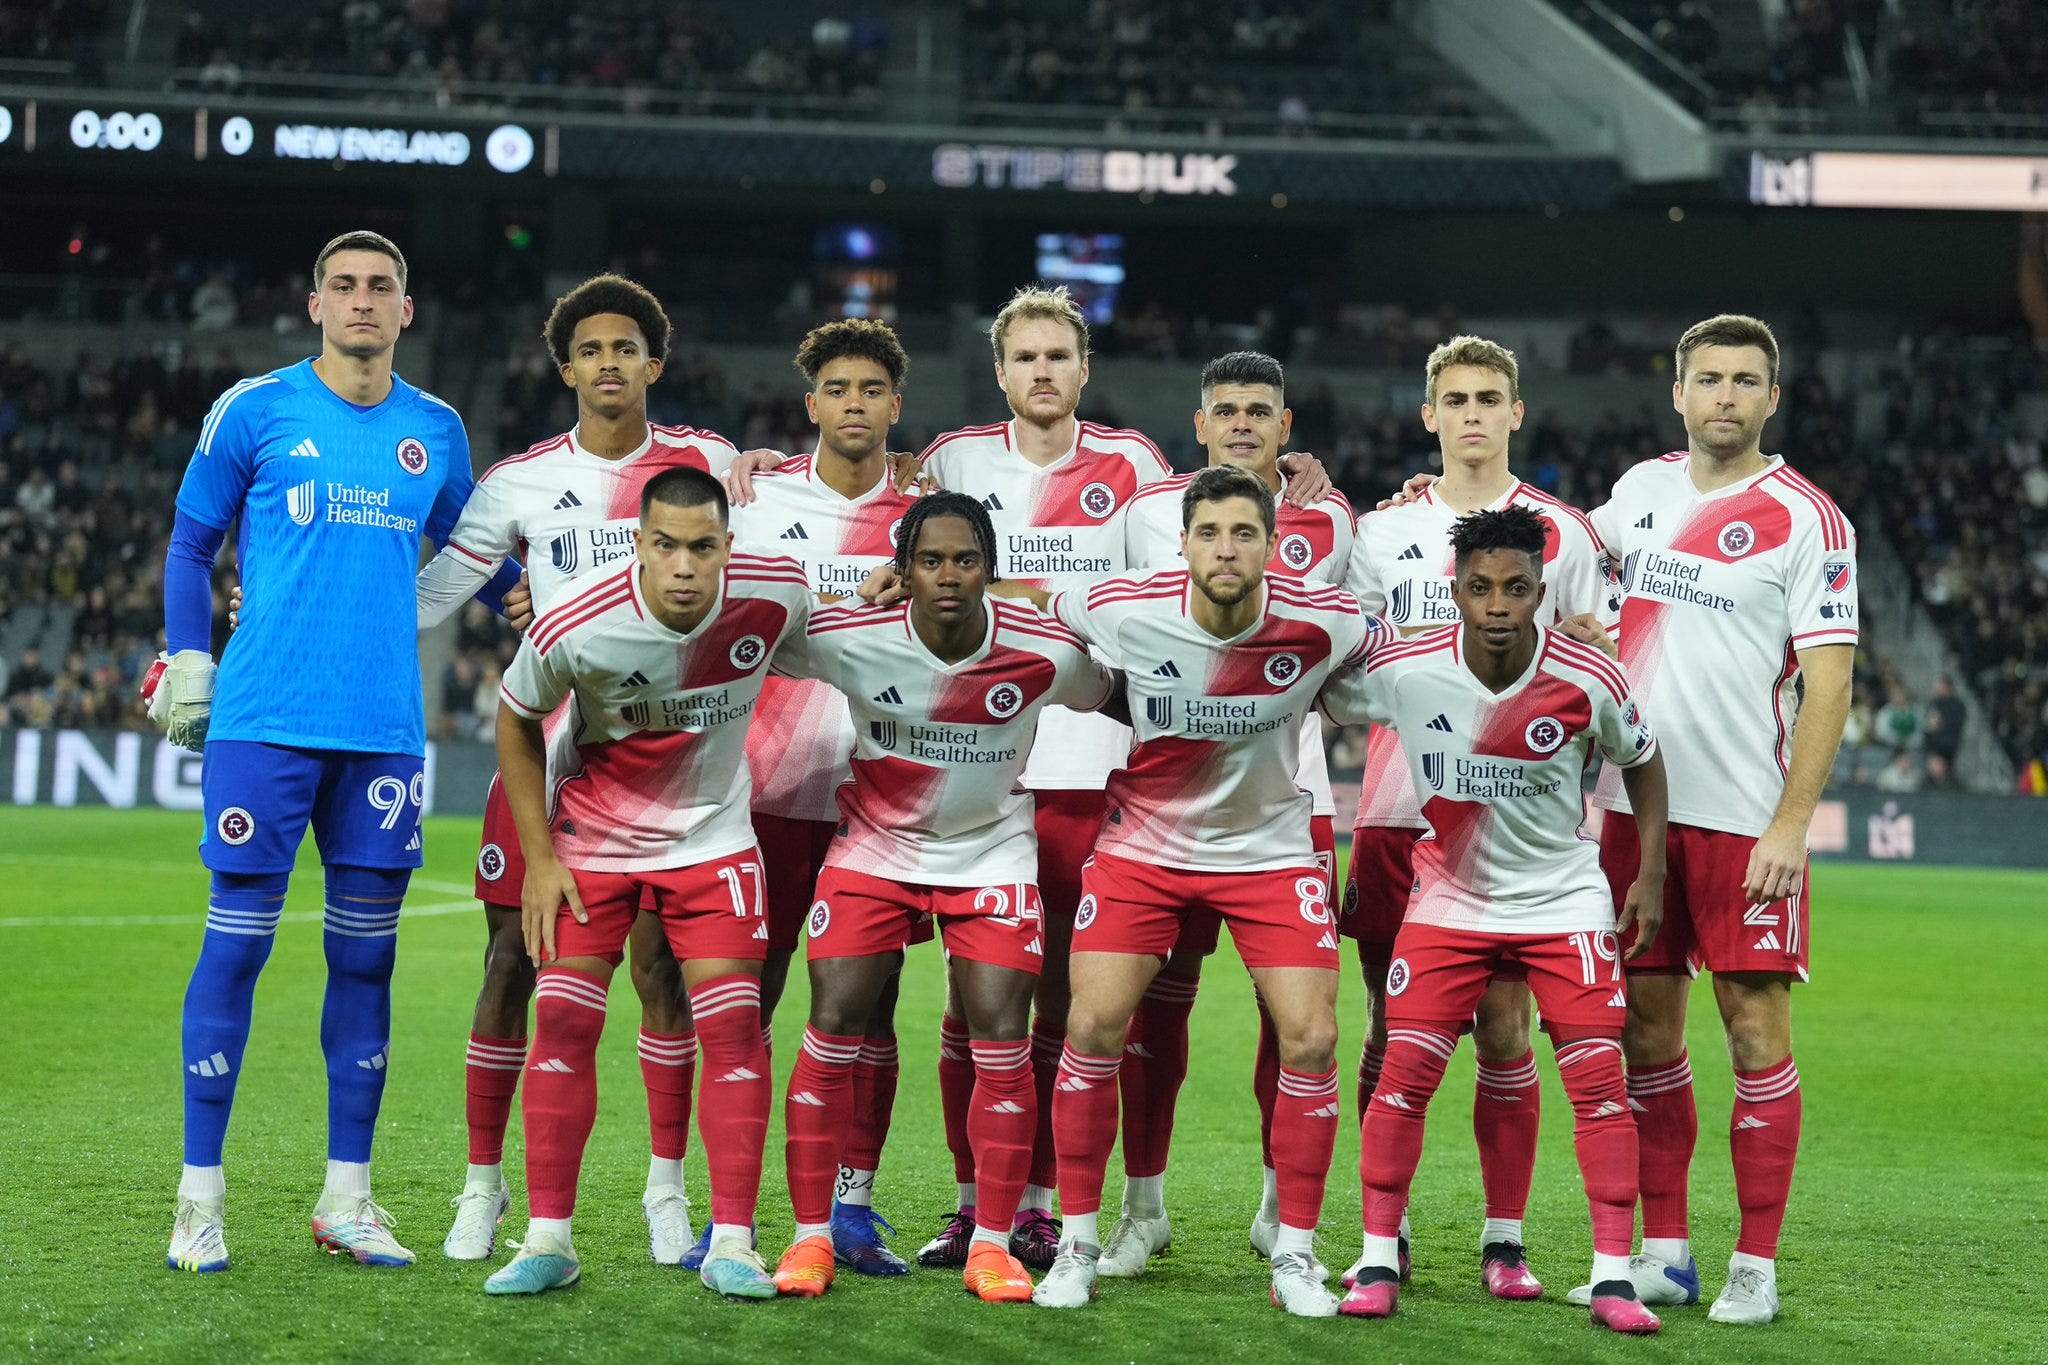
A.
x: 801, y: 736
x: 934, y: 799
x: 1312, y: 543
x: 1499, y: 775
x: 1720, y: 592
x: 1057, y: 526
x: 1400, y: 570
x: 1210, y: 785
x: 651, y: 771
x: 566, y: 512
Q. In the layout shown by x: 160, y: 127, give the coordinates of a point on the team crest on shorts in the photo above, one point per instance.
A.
x: 490, y: 862
x: 1397, y: 976
x: 1545, y: 734
x: 821, y: 919
x: 1351, y: 897
x: 1283, y: 669
x: 1004, y: 700
x: 235, y: 826
x: 412, y: 456
x: 1738, y: 538
x: 748, y: 651
x: 1098, y: 500
x: 1296, y: 552
x: 1084, y: 913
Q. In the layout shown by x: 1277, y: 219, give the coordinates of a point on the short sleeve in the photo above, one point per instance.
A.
x: 1146, y: 542
x: 535, y: 683
x: 224, y: 461
x: 797, y: 655
x: 456, y: 484
x: 1070, y: 609
x: 1082, y: 684
x: 1820, y: 591
x: 487, y: 532
x: 1360, y: 694
x: 1579, y: 578
x: 1621, y: 729
x: 1362, y: 576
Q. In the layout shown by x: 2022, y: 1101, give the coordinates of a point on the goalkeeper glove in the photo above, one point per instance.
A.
x: 179, y: 690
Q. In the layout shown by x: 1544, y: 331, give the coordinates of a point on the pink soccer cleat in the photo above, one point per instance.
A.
x: 1505, y: 1272
x: 1616, y: 1308
x: 1374, y: 1294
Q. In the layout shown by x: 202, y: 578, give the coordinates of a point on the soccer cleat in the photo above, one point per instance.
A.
x: 478, y: 1211
x: 1035, y: 1240
x: 948, y: 1250
x: 995, y: 1276
x: 806, y: 1270
x: 1265, y: 1232
x: 543, y: 1263
x: 1351, y: 1272
x: 1616, y: 1308
x: 734, y: 1269
x: 857, y: 1241
x: 1132, y: 1244
x: 668, y: 1224
x: 198, y: 1242
x: 1504, y: 1270
x: 1750, y: 1297
x: 693, y: 1259
x: 1299, y: 1288
x: 1658, y: 1284
x: 1375, y: 1294
x: 361, y: 1229
x: 1071, y: 1281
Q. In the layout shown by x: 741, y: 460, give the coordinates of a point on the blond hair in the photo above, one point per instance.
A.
x: 1035, y: 301
x: 1730, y: 329
x: 1476, y: 351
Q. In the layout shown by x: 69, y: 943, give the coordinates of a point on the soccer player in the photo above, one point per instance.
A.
x: 1401, y: 570
x: 661, y: 663
x: 1243, y: 422
x: 573, y: 501
x: 836, y: 511
x: 1500, y: 716
x: 333, y: 469
x: 1205, y: 812
x: 946, y: 690
x: 1738, y: 626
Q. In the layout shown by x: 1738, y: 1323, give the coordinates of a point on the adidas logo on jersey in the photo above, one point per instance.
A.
x: 889, y: 696
x: 992, y: 503
x: 376, y: 1063
x: 568, y: 500
x: 216, y: 1065
x: 554, y: 1064
x: 1328, y: 940
x: 1004, y: 1107
x: 1412, y: 552
x: 796, y: 532
x: 806, y: 1097
x: 1644, y: 524
x: 1442, y: 722
x: 412, y: 845
x: 1768, y: 943
x: 1620, y: 1000
x: 306, y: 450
x: 741, y: 1073
x: 1751, y: 1121
x: 1166, y: 670
x: 761, y: 931
x: 636, y: 679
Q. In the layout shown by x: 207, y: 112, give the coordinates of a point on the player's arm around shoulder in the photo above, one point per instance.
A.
x: 1359, y: 689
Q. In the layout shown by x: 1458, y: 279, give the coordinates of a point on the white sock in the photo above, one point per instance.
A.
x: 557, y: 1228
x: 745, y: 1234
x: 968, y: 1192
x: 1036, y: 1197
x: 1080, y: 1230
x: 1269, y: 1197
x: 663, y: 1171
x: 999, y: 1240
x: 1499, y: 1230
x: 1291, y: 1241
x: 804, y: 1230
x: 1609, y: 1268
x: 1145, y: 1195
x: 348, y: 1179
x: 485, y: 1177
x: 1742, y: 1260
x: 1384, y: 1252
x: 203, y: 1182
x: 855, y: 1187
x: 1672, y: 1251
x: 1406, y: 1231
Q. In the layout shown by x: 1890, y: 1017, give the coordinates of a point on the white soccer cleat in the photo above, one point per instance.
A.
x: 1132, y: 1244
x: 360, y: 1229
x: 1266, y: 1232
x: 1658, y: 1283
x: 1299, y: 1287
x: 1750, y: 1297
x: 1071, y: 1281
x: 478, y: 1211
x: 198, y: 1242
x: 669, y: 1236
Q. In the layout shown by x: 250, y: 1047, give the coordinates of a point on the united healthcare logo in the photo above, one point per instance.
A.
x: 301, y: 501
x: 562, y: 552
x: 1159, y: 710
x: 1433, y: 770
x: 883, y: 732
x: 1401, y: 601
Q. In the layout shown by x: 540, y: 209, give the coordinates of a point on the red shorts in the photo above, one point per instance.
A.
x: 1202, y: 928
x: 1277, y: 918
x: 1709, y: 925
x: 1068, y: 823
x: 708, y: 910
x: 1438, y: 975
x: 856, y: 915
x: 500, y: 864
x: 792, y: 852
x: 1377, y: 891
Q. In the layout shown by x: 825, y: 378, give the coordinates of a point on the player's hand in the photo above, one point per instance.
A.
x: 881, y: 588
x: 739, y: 478
x: 1777, y: 866
x: 906, y: 474
x: 1644, y: 911
x: 178, y: 689
x: 1308, y: 483
x: 1416, y: 486
x: 518, y: 604
x: 548, y: 888
x: 1587, y: 630
x: 235, y: 607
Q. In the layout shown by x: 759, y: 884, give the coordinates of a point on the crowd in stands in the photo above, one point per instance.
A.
x: 56, y: 31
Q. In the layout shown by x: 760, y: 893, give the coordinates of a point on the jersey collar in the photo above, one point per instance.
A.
x: 988, y: 639
x: 635, y: 453
x: 1465, y: 666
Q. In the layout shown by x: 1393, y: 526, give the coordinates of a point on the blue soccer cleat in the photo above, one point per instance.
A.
x: 542, y: 1264
x: 693, y: 1259
x: 857, y: 1241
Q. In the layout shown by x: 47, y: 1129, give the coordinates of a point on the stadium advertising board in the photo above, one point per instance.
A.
x: 1883, y: 180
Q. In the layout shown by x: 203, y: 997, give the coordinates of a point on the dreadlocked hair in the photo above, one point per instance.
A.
x: 958, y: 505
x: 1510, y: 528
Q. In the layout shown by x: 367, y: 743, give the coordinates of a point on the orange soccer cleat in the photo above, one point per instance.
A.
x: 995, y: 1276
x: 806, y: 1269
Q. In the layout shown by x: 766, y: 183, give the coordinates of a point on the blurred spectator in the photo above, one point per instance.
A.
x: 1942, y: 732
x: 213, y: 304
x: 1902, y: 774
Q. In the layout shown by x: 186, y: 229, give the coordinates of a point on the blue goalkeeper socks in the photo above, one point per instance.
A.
x: 355, y: 1024
x: 241, y: 924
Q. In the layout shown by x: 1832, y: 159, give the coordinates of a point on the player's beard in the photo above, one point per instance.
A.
x: 1732, y: 441
x: 1246, y: 586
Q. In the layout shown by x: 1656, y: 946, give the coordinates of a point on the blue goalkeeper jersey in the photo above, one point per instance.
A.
x: 332, y: 501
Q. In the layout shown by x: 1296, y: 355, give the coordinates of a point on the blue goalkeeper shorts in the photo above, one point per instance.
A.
x: 364, y: 808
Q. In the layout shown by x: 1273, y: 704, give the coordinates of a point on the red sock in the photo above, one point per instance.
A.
x: 1305, y: 1114
x: 1001, y: 1121
x: 1763, y: 1137
x: 489, y: 1082
x: 874, y: 1100
x: 1506, y: 1107
x: 1266, y: 1081
x: 1390, y: 1145
x: 1155, y: 1066
x: 1370, y: 1059
x: 1048, y: 1042
x: 1667, y: 1130
x: 815, y: 1114
x: 560, y: 1103
x: 732, y: 1111
x: 1604, y: 1137
x: 668, y: 1067
x: 956, y: 1093
x: 1084, y: 1127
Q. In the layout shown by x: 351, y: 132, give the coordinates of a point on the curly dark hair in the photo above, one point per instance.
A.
x: 861, y: 338
x: 606, y: 294
x: 958, y: 505
x: 1515, y: 528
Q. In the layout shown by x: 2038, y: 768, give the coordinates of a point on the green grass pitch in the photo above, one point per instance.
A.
x: 1917, y: 1216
